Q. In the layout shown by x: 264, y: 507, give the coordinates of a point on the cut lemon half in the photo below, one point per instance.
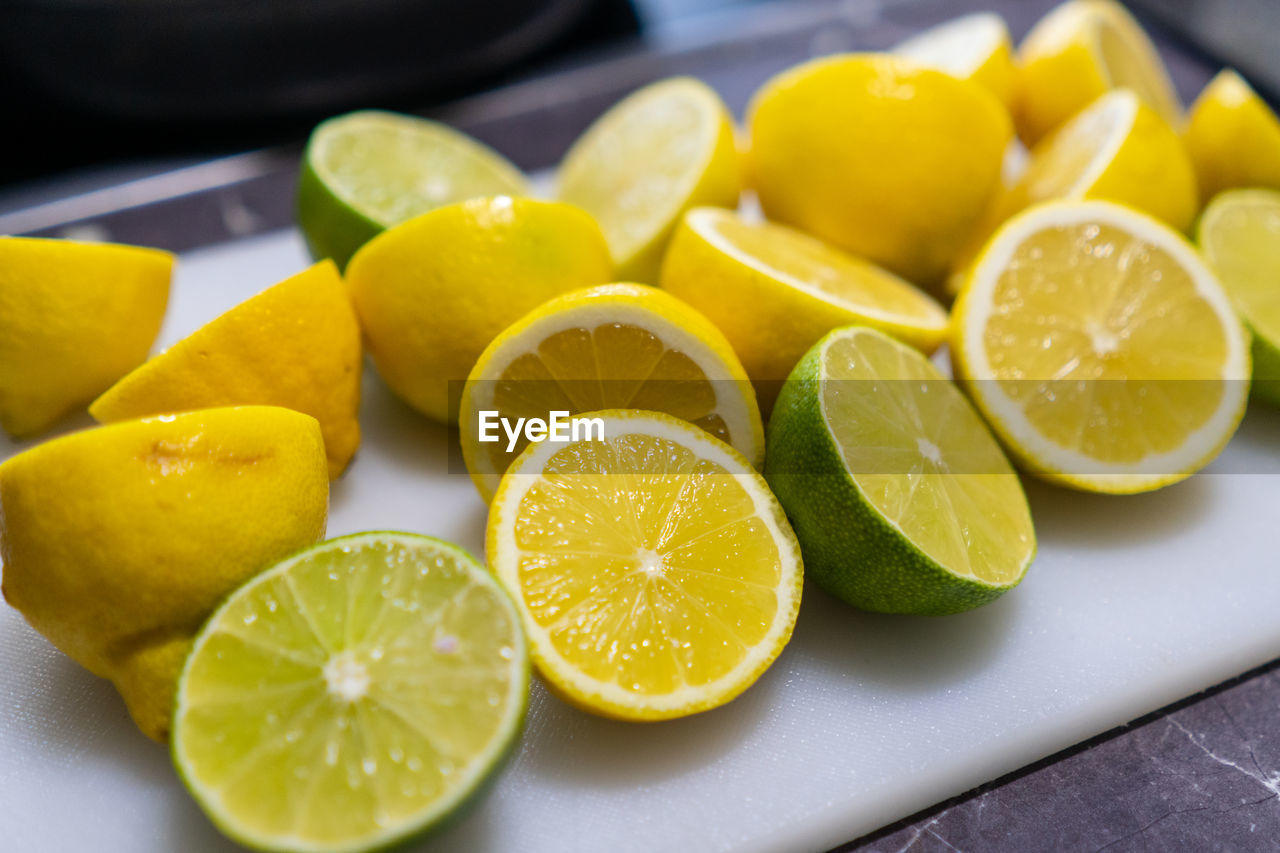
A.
x: 663, y: 149
x: 356, y: 693
x: 1080, y: 50
x: 973, y: 47
x: 610, y: 347
x: 1240, y: 237
x: 775, y: 291
x: 655, y: 573
x: 901, y: 498
x: 1233, y: 137
x: 1101, y: 348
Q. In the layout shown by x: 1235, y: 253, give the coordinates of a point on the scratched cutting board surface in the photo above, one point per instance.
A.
x: 1132, y: 603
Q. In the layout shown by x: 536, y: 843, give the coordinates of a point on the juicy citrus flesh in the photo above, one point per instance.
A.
x: 1069, y: 162
x: 350, y: 695
x: 1132, y: 63
x: 656, y: 574
x: 392, y: 167
x: 922, y: 457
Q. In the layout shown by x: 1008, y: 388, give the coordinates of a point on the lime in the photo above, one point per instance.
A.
x: 356, y: 693
x: 901, y: 499
x: 365, y: 171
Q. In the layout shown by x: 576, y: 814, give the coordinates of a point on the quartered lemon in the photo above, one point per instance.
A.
x: 1077, y: 52
x: 611, y: 347
x: 660, y: 151
x: 296, y: 344
x: 973, y: 47
x: 655, y: 573
x: 1240, y: 237
x: 774, y: 291
x: 900, y: 496
x: 1233, y: 137
x: 366, y: 171
x: 1101, y: 348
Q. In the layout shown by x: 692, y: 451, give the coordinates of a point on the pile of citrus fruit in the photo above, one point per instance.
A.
x: 1103, y: 267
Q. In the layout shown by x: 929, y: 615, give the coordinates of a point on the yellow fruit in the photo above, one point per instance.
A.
x: 655, y: 573
x: 662, y: 150
x: 879, y: 156
x: 1101, y: 348
x: 119, y: 541
x: 433, y: 292
x: 973, y: 47
x: 1233, y: 137
x: 296, y: 345
x: 1077, y: 52
x: 774, y: 292
x: 611, y: 347
x: 74, y: 317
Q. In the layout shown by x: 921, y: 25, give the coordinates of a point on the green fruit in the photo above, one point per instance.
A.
x: 365, y: 171
x: 900, y: 497
x: 357, y: 693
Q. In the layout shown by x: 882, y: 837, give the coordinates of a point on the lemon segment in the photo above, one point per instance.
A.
x: 1233, y: 137
x: 296, y: 344
x: 355, y: 694
x: 973, y: 47
x: 655, y: 573
x: 1240, y: 236
x: 775, y: 291
x: 1077, y: 52
x: 610, y: 347
x: 663, y: 149
x: 1101, y: 348
x: 74, y: 318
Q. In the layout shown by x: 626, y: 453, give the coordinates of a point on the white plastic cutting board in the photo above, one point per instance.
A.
x: 1133, y: 603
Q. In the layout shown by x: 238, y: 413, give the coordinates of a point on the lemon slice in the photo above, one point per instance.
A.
x: 973, y: 47
x: 901, y: 498
x: 774, y: 291
x: 616, y: 346
x: 663, y: 149
x: 1233, y: 137
x: 1080, y: 50
x: 655, y: 573
x: 1101, y: 348
x: 357, y: 693
x: 1240, y: 237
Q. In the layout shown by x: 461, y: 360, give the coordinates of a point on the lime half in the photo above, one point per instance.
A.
x: 352, y: 695
x: 366, y: 171
x: 901, y: 498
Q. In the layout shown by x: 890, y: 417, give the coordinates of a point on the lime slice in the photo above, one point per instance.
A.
x: 366, y: 171
x: 1240, y: 237
x: 354, y: 694
x: 900, y: 497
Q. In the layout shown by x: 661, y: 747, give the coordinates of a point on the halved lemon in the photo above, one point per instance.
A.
x: 1101, y: 348
x: 654, y: 571
x: 609, y: 347
x: 1233, y: 137
x: 660, y: 151
x: 973, y: 47
x: 1078, y: 51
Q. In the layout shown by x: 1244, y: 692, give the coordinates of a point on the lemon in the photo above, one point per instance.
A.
x: 1233, y: 137
x: 879, y: 156
x: 973, y: 47
x: 774, y: 292
x: 660, y: 151
x: 354, y: 694
x: 1101, y: 348
x: 1240, y: 237
x: 365, y: 171
x: 1080, y: 50
x: 74, y: 317
x: 654, y: 571
x: 433, y: 292
x: 901, y: 499
x: 609, y: 347
x: 119, y: 541
x: 296, y: 345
